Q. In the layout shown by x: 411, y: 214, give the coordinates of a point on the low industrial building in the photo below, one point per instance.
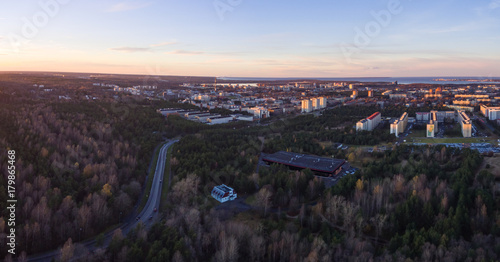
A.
x: 322, y: 165
x: 219, y: 120
x: 224, y: 193
x: 205, y: 118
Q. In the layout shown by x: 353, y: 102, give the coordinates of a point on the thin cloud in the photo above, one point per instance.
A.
x: 494, y: 4
x: 127, y: 6
x: 131, y: 49
x: 151, y: 48
x: 185, y: 52
x: 472, y: 26
x: 164, y: 44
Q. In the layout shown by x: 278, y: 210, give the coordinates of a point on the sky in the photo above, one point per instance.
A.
x: 253, y: 38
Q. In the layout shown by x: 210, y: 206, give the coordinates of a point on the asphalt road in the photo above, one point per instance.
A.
x: 146, y: 216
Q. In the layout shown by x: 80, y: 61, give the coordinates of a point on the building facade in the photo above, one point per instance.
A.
x: 399, y: 125
x: 307, y: 106
x: 466, y: 124
x: 492, y: 113
x: 432, y: 126
x: 369, y: 123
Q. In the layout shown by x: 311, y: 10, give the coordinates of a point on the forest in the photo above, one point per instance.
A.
x: 79, y: 165
x: 405, y: 204
x: 82, y: 163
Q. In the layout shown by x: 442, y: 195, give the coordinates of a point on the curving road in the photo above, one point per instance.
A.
x: 146, y: 216
x: 154, y: 196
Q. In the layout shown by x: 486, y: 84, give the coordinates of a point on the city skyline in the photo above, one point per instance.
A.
x: 253, y: 38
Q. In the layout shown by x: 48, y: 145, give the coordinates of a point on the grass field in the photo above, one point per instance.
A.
x: 416, y: 134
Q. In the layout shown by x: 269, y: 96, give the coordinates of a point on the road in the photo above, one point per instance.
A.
x: 154, y: 197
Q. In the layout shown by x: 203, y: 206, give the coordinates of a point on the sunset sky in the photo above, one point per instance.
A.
x: 253, y: 38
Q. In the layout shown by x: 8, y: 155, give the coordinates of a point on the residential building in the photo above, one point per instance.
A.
x: 370, y: 122
x: 466, y: 124
x: 307, y: 106
x: 399, y: 125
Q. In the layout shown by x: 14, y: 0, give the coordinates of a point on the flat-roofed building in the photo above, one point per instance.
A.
x: 423, y: 116
x: 307, y: 106
x: 169, y: 111
x: 492, y: 113
x: 464, y: 108
x: 462, y: 102
x: 472, y: 96
x: 219, y: 120
x: 322, y: 165
x: 369, y: 123
x: 374, y: 120
x: 205, y: 118
x: 399, y: 125
x: 196, y: 116
x: 362, y: 125
x: 484, y: 109
x: 316, y: 103
x: 322, y: 102
x: 258, y: 112
x: 188, y: 113
x: 442, y: 115
x: 397, y: 96
x: 466, y: 124
x: 431, y: 128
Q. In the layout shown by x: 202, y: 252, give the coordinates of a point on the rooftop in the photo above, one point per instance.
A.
x: 374, y: 115
x: 315, y: 163
x: 224, y: 188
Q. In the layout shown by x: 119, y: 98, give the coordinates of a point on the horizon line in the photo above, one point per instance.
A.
x: 246, y: 77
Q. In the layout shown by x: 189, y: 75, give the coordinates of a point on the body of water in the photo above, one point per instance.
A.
x: 400, y: 80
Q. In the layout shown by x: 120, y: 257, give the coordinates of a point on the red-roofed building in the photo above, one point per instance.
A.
x: 374, y: 116
x: 369, y: 123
